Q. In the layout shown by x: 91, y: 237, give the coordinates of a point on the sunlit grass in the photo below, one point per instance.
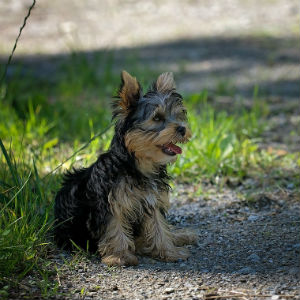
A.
x: 222, y: 144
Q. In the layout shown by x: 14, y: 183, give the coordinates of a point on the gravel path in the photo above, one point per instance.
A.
x: 246, y: 250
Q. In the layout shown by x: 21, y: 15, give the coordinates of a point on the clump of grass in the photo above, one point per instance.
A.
x: 222, y: 144
x: 25, y: 219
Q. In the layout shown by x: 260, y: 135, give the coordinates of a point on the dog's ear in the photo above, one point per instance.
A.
x: 129, y: 94
x: 165, y: 83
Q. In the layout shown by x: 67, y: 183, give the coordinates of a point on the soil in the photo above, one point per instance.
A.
x: 246, y: 250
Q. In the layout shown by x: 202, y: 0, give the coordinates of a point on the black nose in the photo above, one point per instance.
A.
x: 181, y: 130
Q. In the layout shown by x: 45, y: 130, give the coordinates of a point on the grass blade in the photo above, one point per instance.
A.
x: 12, y: 168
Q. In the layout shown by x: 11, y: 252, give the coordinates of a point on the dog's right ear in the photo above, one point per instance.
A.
x: 129, y: 94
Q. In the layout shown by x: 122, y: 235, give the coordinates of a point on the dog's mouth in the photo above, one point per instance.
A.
x: 171, y: 149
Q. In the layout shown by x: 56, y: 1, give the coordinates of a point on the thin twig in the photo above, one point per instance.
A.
x: 80, y: 149
x: 16, y: 42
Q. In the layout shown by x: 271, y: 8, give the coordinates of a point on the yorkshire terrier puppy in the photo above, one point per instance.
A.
x: 118, y: 204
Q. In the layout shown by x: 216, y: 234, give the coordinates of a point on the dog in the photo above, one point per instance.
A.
x: 118, y: 205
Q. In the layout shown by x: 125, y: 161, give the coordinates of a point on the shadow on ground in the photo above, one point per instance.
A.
x: 239, y: 239
x: 252, y: 250
x: 221, y: 64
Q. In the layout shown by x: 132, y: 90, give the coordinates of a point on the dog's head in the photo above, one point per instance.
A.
x: 154, y: 122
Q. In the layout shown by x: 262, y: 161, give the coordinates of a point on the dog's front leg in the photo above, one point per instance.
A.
x: 117, y: 246
x: 157, y: 240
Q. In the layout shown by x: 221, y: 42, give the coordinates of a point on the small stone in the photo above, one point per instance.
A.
x: 296, y: 246
x: 294, y: 271
x: 254, y: 258
x: 169, y: 291
x: 275, y: 297
x: 245, y: 271
x: 253, y: 218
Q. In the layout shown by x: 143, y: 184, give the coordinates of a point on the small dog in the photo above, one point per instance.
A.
x: 118, y: 204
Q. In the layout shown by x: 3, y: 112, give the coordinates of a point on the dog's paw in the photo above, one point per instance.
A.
x: 184, y: 237
x: 125, y: 259
x: 173, y: 255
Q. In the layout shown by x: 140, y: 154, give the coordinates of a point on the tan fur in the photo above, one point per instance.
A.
x: 118, y: 246
x: 157, y: 240
x: 147, y: 146
x: 129, y: 91
x: 165, y: 83
x: 125, y: 258
x: 127, y: 202
x: 184, y: 237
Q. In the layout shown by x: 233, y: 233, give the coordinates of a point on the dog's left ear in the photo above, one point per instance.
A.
x: 129, y: 94
x: 165, y: 83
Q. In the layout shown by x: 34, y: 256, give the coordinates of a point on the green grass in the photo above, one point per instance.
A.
x: 44, y: 121
x: 222, y: 144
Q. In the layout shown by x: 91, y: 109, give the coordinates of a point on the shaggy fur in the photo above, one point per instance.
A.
x: 118, y: 204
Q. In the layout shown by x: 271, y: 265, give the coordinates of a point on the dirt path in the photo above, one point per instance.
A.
x: 246, y: 249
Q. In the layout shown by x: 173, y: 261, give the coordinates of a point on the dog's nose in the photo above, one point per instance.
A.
x: 181, y: 130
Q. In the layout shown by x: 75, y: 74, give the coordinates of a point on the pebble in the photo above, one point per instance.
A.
x: 169, y: 291
x: 245, y: 271
x: 253, y: 218
x: 294, y: 271
x: 253, y: 258
x: 296, y: 246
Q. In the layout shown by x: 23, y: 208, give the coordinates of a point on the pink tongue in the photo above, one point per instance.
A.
x: 174, y: 148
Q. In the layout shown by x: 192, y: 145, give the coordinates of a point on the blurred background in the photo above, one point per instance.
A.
x: 225, y: 44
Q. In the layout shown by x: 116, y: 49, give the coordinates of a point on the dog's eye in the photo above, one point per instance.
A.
x: 157, y: 118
